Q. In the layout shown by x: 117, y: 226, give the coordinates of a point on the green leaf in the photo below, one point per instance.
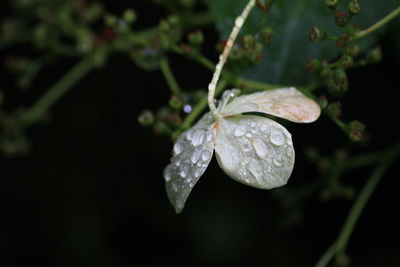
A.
x: 283, y: 61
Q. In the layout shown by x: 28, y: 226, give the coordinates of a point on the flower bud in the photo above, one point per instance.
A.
x: 322, y: 101
x: 175, y: 102
x: 146, y: 118
x: 265, y: 5
x: 313, y: 64
x: 317, y: 34
x: 341, y: 18
x: 248, y: 42
x: 267, y: 33
x: 374, y: 55
x: 196, y: 37
x: 356, y: 130
x: 346, y: 61
x: 354, y: 7
x: 338, y: 83
x: 129, y: 16
x: 334, y: 110
x: 331, y: 3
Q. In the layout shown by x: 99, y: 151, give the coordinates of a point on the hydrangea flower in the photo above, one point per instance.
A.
x: 253, y: 150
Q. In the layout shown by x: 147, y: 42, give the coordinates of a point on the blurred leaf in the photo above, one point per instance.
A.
x: 291, y: 20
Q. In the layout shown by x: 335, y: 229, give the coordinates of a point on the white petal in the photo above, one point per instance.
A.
x: 262, y: 157
x: 191, y: 155
x: 286, y: 103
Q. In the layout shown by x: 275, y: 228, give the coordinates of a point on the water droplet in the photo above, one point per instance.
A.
x: 189, y: 135
x: 249, y: 135
x: 246, y: 147
x: 182, y: 173
x: 210, y: 136
x: 260, y: 147
x: 289, y: 152
x: 253, y: 124
x: 175, y: 186
x: 206, y: 155
x: 197, y: 173
x: 178, y: 148
x: 264, y: 127
x: 198, y: 138
x: 195, y: 156
x: 277, y: 138
x: 168, y: 173
x: 278, y: 162
x: 176, y: 161
x: 239, y: 131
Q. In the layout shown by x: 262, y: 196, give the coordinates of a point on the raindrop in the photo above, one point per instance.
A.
x: 206, y: 155
x: 210, y: 136
x: 277, y: 162
x: 249, y: 135
x: 178, y: 148
x: 198, y: 138
x: 195, y: 156
x: 189, y: 135
x: 253, y: 124
x: 182, y: 173
x: 277, y: 137
x: 176, y: 161
x: 240, y: 130
x: 246, y: 147
x: 289, y: 152
x: 168, y: 173
x: 264, y: 127
x: 260, y: 147
x: 197, y: 173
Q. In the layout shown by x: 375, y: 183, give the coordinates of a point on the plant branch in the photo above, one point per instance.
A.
x: 378, y: 24
x: 339, y: 246
x: 59, y: 89
x: 169, y: 77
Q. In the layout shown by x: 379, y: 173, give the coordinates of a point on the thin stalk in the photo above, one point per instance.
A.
x: 169, y: 77
x: 59, y: 89
x: 224, y: 56
x: 339, y: 246
x: 378, y: 24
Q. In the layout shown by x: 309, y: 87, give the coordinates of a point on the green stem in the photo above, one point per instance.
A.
x: 169, y: 77
x: 199, y: 108
x: 378, y: 25
x: 339, y: 246
x: 255, y: 85
x: 55, y: 92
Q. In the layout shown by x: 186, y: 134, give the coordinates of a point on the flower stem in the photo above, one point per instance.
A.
x: 169, y: 77
x: 59, y: 89
x: 378, y: 24
x: 224, y: 56
x: 199, y: 108
x: 339, y: 246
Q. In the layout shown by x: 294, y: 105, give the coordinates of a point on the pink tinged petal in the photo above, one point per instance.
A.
x: 192, y: 153
x: 286, y: 103
x: 262, y: 157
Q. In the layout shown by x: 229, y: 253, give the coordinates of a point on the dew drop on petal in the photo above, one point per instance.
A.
x: 277, y: 162
x: 210, y: 136
x: 195, y: 156
x: 178, y: 148
x: 239, y: 131
x: 260, y: 147
x: 277, y: 138
x: 289, y: 151
x: 253, y: 124
x: 189, y: 135
x: 206, y: 155
x: 168, y: 173
x: 198, y: 138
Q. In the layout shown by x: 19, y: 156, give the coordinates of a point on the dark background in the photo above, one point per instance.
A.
x: 91, y: 192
